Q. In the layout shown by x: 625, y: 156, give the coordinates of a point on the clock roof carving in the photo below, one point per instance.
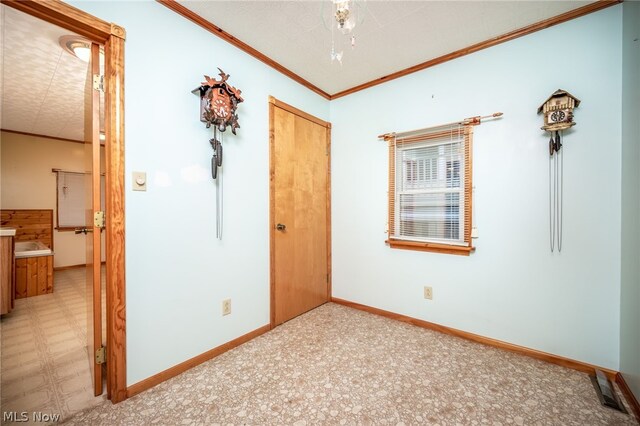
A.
x: 559, y: 93
x: 218, y: 107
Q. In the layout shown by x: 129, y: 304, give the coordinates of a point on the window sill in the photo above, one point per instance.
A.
x: 432, y: 247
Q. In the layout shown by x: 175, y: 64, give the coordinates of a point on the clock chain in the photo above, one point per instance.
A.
x: 556, y: 190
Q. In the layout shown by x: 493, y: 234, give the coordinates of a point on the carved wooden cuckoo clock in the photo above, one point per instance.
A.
x: 558, y: 116
x: 218, y: 103
x: 558, y: 111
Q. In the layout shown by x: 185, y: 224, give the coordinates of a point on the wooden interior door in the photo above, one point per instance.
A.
x: 300, y: 207
x: 93, y: 233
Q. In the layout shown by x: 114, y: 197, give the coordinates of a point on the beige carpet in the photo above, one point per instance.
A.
x: 45, y: 368
x: 336, y: 365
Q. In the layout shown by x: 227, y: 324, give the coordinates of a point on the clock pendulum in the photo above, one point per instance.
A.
x: 218, y: 103
x: 558, y: 116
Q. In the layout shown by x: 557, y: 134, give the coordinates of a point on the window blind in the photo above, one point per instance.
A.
x: 71, y: 211
x: 429, y: 186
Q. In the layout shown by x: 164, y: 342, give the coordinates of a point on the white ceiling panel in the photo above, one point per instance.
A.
x: 43, y: 85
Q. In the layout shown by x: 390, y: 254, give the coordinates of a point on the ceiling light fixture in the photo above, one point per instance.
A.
x: 345, y: 16
x: 78, y: 46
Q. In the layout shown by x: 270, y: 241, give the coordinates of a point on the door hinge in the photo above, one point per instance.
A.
x: 327, y: 278
x: 98, y: 219
x: 98, y: 82
x: 101, y: 355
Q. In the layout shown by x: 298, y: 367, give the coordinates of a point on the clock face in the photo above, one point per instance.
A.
x: 557, y: 116
x: 220, y: 104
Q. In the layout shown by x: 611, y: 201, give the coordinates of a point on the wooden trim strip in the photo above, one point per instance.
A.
x: 63, y: 15
x: 298, y: 112
x: 197, y: 360
x: 35, y: 135
x: 115, y: 221
x: 567, y: 16
x: 215, y: 30
x: 92, y: 203
x: 328, y: 213
x: 272, y: 213
x: 432, y: 247
x: 543, y: 356
x: 629, y: 396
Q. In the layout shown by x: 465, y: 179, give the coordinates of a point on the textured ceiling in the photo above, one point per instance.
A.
x: 390, y: 35
x: 42, y: 85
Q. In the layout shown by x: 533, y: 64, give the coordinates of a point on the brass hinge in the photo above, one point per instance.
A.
x: 98, y: 82
x: 98, y: 219
x: 101, y: 355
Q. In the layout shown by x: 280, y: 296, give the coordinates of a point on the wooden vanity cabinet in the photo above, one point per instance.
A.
x: 7, y: 274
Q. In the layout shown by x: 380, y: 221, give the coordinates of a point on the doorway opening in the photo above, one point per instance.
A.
x: 111, y: 37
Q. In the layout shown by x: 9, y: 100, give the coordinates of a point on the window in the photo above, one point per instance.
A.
x: 71, y: 209
x: 430, y: 190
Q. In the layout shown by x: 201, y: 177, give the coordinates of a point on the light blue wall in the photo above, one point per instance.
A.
x: 513, y: 288
x: 177, y: 272
x: 630, y: 275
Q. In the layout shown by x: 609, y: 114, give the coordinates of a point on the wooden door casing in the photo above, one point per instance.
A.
x: 113, y: 37
x: 300, y: 200
x: 92, y: 200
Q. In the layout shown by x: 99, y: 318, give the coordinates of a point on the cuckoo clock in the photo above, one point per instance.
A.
x: 558, y: 111
x: 558, y: 116
x: 218, y: 103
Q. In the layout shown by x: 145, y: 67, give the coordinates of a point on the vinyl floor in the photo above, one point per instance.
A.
x: 44, y: 366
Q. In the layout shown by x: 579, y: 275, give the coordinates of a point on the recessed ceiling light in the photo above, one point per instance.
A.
x: 78, y: 46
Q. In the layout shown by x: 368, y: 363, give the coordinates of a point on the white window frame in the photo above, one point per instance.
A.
x: 441, y: 165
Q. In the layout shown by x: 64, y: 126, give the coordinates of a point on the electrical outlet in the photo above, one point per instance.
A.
x: 226, y: 307
x: 428, y: 293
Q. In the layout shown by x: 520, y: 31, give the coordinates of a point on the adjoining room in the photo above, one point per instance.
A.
x: 45, y: 362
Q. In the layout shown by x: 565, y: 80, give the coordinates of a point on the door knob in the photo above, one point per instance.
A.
x: 281, y: 227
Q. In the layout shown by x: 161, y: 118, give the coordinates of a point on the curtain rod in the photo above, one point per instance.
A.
x: 473, y: 121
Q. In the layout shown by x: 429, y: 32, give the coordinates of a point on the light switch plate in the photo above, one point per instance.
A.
x: 139, y: 181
